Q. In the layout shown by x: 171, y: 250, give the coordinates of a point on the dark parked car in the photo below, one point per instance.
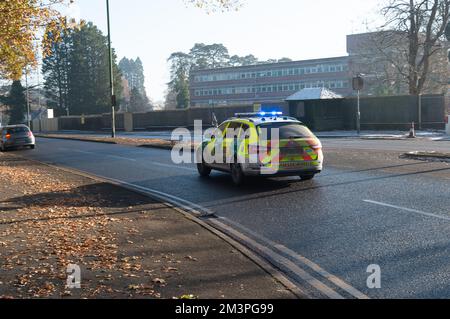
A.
x: 16, y: 136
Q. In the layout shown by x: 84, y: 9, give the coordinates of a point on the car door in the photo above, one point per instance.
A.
x: 216, y: 144
x: 230, y: 144
x: 243, y: 143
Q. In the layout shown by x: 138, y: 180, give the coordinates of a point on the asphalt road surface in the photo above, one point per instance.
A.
x: 368, y: 207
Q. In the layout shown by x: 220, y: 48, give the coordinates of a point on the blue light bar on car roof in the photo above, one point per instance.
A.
x: 259, y: 114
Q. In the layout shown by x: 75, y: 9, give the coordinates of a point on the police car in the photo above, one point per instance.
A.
x: 261, y: 144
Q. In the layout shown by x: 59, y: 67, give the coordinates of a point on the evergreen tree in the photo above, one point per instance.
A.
x: 182, y: 89
x: 55, y: 69
x: 209, y: 56
x: 17, y: 104
x: 77, y: 72
x: 178, y: 87
x: 138, y: 101
x: 133, y: 72
x: 89, y: 91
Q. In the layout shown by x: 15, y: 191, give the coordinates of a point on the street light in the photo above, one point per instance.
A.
x: 358, y: 85
x: 419, y: 104
x: 111, y: 77
x: 28, y: 98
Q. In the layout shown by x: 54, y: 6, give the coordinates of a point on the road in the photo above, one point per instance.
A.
x: 367, y: 207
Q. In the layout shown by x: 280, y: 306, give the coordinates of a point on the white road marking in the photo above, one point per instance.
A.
x: 317, y: 284
x: 76, y: 151
x: 122, y: 158
x: 332, y: 278
x: 83, y: 152
x: 133, y: 160
x: 303, y: 260
x: 171, y: 199
x: 173, y: 166
x: 408, y: 210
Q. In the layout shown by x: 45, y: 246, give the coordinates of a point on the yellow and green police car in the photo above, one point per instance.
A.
x: 261, y: 144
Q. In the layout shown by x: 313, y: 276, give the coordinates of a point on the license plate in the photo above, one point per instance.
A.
x: 291, y: 165
x: 298, y: 164
x: 293, y: 151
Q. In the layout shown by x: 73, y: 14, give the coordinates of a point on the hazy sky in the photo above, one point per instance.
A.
x: 298, y: 29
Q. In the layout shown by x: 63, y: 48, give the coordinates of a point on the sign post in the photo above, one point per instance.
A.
x: 358, y: 85
x: 111, y: 76
x: 447, y: 124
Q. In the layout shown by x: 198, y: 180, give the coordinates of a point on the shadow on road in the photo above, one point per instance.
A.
x: 83, y: 196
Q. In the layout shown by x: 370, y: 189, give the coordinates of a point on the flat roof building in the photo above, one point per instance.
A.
x: 273, y: 83
x: 268, y: 83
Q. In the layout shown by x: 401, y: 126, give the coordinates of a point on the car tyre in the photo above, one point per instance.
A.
x: 3, y: 148
x: 307, y: 177
x: 237, y: 175
x: 32, y: 147
x: 203, y: 170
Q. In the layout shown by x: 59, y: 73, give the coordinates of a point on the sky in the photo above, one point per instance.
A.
x: 298, y: 29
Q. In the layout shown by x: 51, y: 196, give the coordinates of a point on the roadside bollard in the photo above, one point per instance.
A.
x: 412, y: 132
x: 447, y: 124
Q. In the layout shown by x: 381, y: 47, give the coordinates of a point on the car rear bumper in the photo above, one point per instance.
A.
x: 261, y: 171
x: 18, y: 143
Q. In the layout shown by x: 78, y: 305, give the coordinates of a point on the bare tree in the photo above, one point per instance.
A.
x: 423, y: 24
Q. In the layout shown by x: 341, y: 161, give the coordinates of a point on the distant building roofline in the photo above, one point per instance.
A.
x: 376, y: 32
x: 314, y: 94
x: 270, y: 64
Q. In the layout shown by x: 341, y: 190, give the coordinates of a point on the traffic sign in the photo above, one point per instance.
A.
x: 358, y: 83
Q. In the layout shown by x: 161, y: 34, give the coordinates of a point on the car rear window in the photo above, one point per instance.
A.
x: 17, y: 130
x: 287, y: 130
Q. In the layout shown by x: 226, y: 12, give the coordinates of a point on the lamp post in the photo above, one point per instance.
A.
x: 111, y: 77
x: 358, y: 85
x: 419, y: 104
x: 28, y: 98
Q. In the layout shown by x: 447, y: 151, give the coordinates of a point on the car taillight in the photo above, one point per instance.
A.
x: 30, y: 134
x: 317, y: 147
x: 8, y: 136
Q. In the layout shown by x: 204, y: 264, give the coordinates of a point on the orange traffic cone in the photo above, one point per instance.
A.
x: 412, y: 132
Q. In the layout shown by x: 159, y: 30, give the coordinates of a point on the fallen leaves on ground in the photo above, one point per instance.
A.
x: 53, y: 223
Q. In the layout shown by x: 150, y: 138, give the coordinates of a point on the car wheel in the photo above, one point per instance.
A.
x: 203, y: 170
x: 3, y: 148
x: 236, y: 174
x: 33, y: 147
x: 307, y: 177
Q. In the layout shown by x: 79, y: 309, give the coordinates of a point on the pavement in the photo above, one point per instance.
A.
x: 126, y: 244
x: 369, y: 206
